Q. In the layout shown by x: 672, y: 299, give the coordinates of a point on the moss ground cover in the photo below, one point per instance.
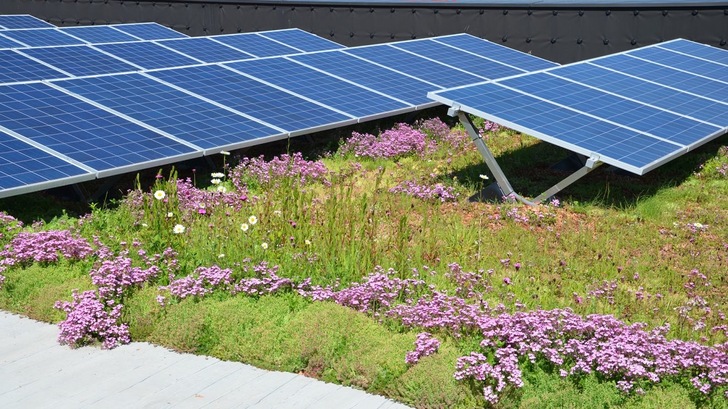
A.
x: 367, y: 266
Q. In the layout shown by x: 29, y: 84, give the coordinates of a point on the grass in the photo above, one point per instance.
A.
x: 617, y: 245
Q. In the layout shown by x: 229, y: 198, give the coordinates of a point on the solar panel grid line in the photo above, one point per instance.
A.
x: 12, y: 21
x: 260, y: 34
x: 632, y: 99
x: 21, y: 52
x: 177, y: 51
x: 255, y: 44
x: 149, y: 31
x: 201, y: 49
x: 351, y: 82
x: 393, y: 69
x: 302, y: 40
x: 676, y: 69
x: 212, y: 101
x: 11, y: 42
x: 693, y: 56
x: 659, y: 84
x: 79, y: 60
x: 677, y: 61
x: 438, y: 62
x: 98, y: 34
x: 697, y: 49
x: 478, y: 55
x: 116, y: 28
x: 124, y: 116
x: 112, y: 55
x: 42, y: 37
x: 596, y: 117
x: 47, y: 150
x: 272, y: 85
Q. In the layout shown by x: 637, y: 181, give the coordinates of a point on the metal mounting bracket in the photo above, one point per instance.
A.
x: 501, y: 181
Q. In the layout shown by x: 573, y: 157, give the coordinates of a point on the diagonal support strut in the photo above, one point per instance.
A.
x: 503, y: 185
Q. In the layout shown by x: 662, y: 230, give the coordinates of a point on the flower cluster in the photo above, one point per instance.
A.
x: 8, y: 224
x: 399, y: 141
x: 425, y: 345
x: 114, y: 277
x: 192, y: 199
x: 434, y: 128
x: 204, y: 281
x: 285, y: 166
x: 437, y: 192
x: 45, y: 247
x: 88, y: 320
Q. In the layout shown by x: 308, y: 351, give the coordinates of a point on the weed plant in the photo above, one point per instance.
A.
x: 368, y: 267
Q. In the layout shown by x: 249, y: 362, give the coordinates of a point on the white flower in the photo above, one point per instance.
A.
x: 159, y: 194
x: 221, y: 189
x: 217, y: 175
x: 252, y: 220
x: 308, y: 242
x: 170, y: 214
x: 484, y: 177
x: 178, y: 229
x: 221, y: 255
x: 278, y: 213
x: 145, y: 225
x: 215, y: 181
x: 244, y: 227
x: 264, y: 245
x: 226, y: 153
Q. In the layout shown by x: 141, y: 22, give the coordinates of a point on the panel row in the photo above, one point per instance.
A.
x: 127, y: 121
x: 634, y: 110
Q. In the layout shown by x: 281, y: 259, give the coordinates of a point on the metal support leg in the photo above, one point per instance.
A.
x: 502, y: 181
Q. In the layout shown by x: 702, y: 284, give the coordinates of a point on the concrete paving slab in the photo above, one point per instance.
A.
x: 37, y: 372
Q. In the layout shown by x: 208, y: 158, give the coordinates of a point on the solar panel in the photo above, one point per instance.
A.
x: 79, y: 61
x: 173, y: 111
x: 98, y: 34
x: 6, y: 43
x: 637, y: 122
x: 25, y: 168
x: 419, y: 67
x: 301, y: 40
x: 698, y: 50
x: 279, y: 108
x: 485, y: 68
x: 92, y: 136
x: 501, y: 54
x: 390, y: 82
x: 17, y: 68
x: 205, y: 49
x: 41, y: 37
x: 340, y: 95
x: 22, y: 21
x: 255, y: 44
x: 147, y: 55
x: 149, y: 31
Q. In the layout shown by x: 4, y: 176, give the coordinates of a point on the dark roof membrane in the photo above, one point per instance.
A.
x: 579, y: 4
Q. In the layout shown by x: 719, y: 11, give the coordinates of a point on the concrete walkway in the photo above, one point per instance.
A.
x: 37, y: 372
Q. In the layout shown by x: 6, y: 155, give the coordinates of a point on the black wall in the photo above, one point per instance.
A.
x: 558, y: 34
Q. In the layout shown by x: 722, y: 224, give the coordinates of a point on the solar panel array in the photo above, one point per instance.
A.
x: 635, y: 110
x: 115, y: 107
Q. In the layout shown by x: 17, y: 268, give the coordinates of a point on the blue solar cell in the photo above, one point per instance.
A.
x: 301, y: 40
x: 147, y: 55
x: 255, y: 44
x: 666, y: 76
x: 79, y: 130
x: 16, y: 67
x: 370, y: 75
x: 6, y: 43
x: 499, y: 53
x: 22, y: 164
x: 698, y: 50
x: 23, y: 21
x: 567, y: 128
x: 442, y: 53
x: 318, y: 86
x: 186, y: 117
x: 98, y: 34
x: 149, y: 31
x: 79, y: 60
x: 646, y: 92
x: 416, y: 66
x: 609, y: 107
x: 683, y: 62
x: 206, y: 50
x: 42, y: 37
x: 251, y: 97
